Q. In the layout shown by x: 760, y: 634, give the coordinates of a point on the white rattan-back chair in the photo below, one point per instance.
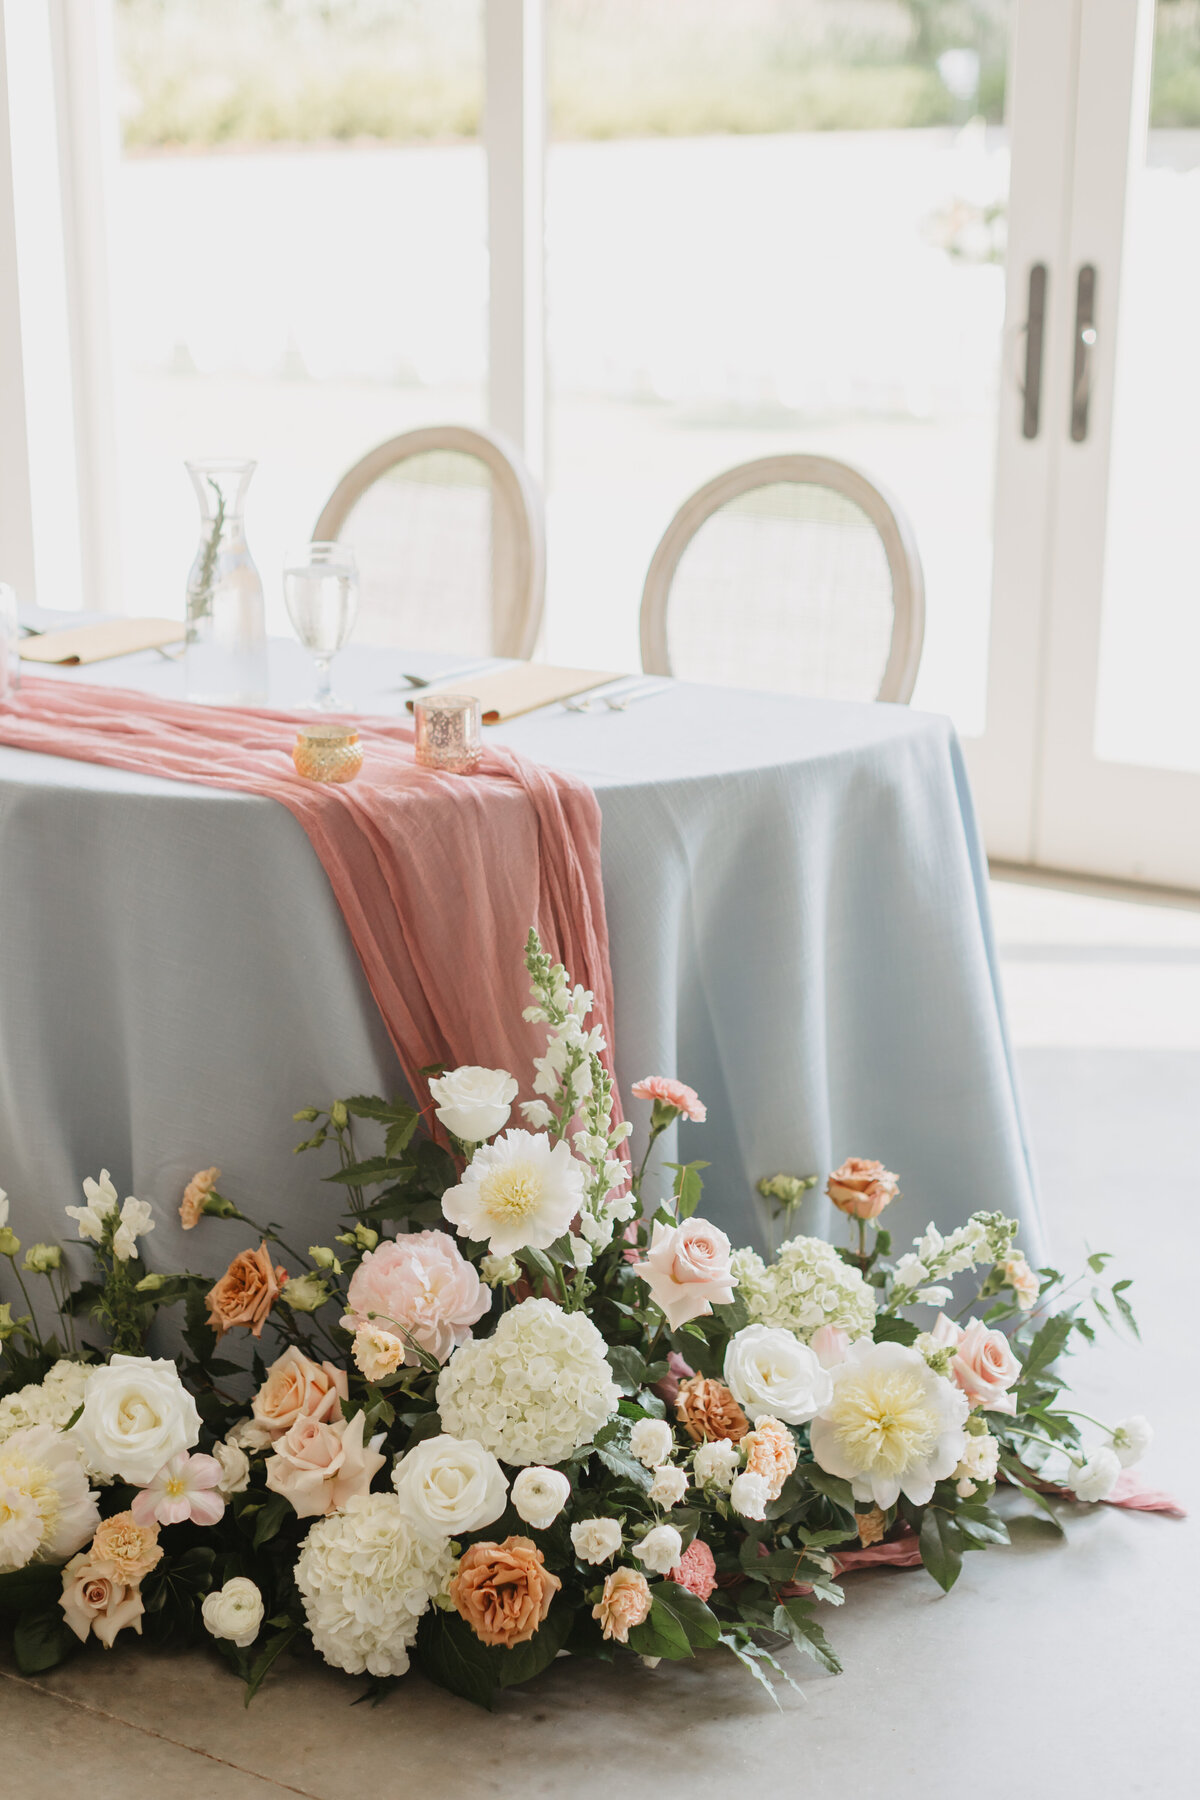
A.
x: 447, y: 529
x: 794, y: 574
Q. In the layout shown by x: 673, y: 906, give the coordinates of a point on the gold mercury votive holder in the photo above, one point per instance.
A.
x: 327, y: 752
x: 448, y: 732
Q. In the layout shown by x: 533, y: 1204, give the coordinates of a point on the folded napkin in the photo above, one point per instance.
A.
x: 95, y: 643
x: 520, y: 688
x: 438, y: 876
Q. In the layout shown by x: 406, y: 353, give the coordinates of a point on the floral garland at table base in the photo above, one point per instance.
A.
x: 588, y: 1425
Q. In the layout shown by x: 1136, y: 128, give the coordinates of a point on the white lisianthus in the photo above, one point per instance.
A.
x: 234, y: 1612
x: 472, y: 1103
x: 366, y: 1575
x: 596, y: 1540
x: 305, y: 1293
x: 447, y: 1486
x: 1131, y: 1439
x: 892, y: 1425
x: 749, y: 1495
x: 234, y: 1465
x: 136, y: 1416
x: 716, y: 1463
x: 669, y: 1487
x: 536, y: 1114
x: 1096, y: 1478
x: 136, y: 1221
x: 539, y: 1495
x: 980, y: 1461
x: 522, y: 1191
x: 768, y: 1370
x: 651, y: 1441
x: 101, y: 1199
x: 47, y: 1509
x: 660, y: 1549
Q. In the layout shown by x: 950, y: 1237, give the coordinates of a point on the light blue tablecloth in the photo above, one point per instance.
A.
x: 799, y: 922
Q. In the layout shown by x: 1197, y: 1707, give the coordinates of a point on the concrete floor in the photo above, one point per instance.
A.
x: 1053, y: 1668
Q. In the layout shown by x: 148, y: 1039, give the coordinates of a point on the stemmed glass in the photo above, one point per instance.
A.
x: 320, y: 587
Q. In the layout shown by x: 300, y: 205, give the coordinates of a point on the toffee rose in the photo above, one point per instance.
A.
x: 503, y: 1591
x: 319, y: 1467
x: 624, y: 1603
x: 93, y: 1601
x: 862, y: 1187
x: 246, y: 1292
x: 707, y: 1411
x: 771, y: 1453
x: 422, y: 1285
x: 297, y: 1388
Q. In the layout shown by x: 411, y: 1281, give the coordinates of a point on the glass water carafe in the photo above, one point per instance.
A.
x: 226, y: 658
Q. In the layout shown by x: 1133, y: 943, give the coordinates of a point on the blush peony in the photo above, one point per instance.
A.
x: 522, y: 1191
x: 421, y: 1287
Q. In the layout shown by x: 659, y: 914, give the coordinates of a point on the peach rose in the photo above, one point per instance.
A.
x: 687, y: 1270
x: 421, y: 1284
x: 665, y: 1092
x: 862, y: 1188
x: 696, y: 1570
x: 191, y: 1207
x: 298, y: 1388
x: 246, y: 1292
x: 624, y: 1603
x: 771, y: 1452
x: 503, y: 1591
x: 707, y: 1410
x: 984, y: 1366
x: 124, y: 1550
x: 93, y: 1601
x: 319, y: 1466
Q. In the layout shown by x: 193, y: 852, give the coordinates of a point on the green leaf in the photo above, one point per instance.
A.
x: 1097, y: 1260
x: 628, y: 1365
x: 751, y: 1656
x: 1047, y: 1346
x: 794, y: 1618
x: 266, y: 1656
x: 274, y: 1512
x: 366, y: 1173
x: 941, y: 1550
x: 622, y: 1463
x: 688, y: 1186
x: 41, y: 1640
x: 524, y: 1661
x: 1124, y: 1308
x: 1020, y: 1478
x: 661, y: 1634
x: 537, y: 1263
x: 700, y: 1624
x: 832, y: 1486
x: 400, y: 1134
x: 32, y: 1589
x: 450, y: 1654
x: 370, y: 1106
x: 890, y: 1328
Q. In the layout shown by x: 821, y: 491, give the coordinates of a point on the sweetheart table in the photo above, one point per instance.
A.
x: 798, y: 915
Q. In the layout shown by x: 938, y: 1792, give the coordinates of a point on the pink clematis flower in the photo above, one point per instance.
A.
x: 185, y: 1489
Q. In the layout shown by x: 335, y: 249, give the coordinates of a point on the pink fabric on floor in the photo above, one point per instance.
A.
x: 1131, y: 1491
x: 438, y: 877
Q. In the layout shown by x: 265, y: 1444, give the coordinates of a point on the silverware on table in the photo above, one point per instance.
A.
x: 591, y: 697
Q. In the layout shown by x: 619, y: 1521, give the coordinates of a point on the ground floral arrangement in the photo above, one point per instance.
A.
x: 589, y: 1425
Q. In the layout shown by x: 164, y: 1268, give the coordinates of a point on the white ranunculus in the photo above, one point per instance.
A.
x: 651, y: 1441
x: 449, y: 1485
x: 474, y: 1104
x: 1131, y: 1439
x: 595, y: 1540
x: 539, y: 1495
x: 234, y: 1612
x: 522, y: 1191
x: 716, y: 1463
x: 234, y: 1465
x: 136, y: 1221
x: 1096, y: 1478
x: 768, y: 1370
x: 660, y: 1549
x: 669, y: 1486
x: 136, y: 1416
x: 749, y: 1495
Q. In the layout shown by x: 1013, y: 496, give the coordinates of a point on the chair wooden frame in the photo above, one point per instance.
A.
x: 889, y: 520
x: 522, y: 554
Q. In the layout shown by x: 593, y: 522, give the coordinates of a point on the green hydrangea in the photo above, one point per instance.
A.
x: 807, y: 1286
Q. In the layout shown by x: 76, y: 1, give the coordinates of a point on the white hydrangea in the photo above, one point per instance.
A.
x: 49, y: 1402
x: 535, y: 1390
x: 807, y: 1286
x: 366, y: 1575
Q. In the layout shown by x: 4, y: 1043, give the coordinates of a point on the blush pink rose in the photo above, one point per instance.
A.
x: 296, y: 1387
x: 422, y: 1285
x: 862, y: 1188
x: 676, y: 1094
x: 696, y: 1570
x: 984, y: 1366
x: 829, y: 1344
x: 687, y: 1269
x: 319, y: 1467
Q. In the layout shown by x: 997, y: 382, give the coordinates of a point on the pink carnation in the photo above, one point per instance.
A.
x: 419, y: 1285
x: 665, y: 1092
x: 696, y: 1570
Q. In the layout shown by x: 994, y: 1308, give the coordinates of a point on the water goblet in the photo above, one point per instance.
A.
x: 320, y: 588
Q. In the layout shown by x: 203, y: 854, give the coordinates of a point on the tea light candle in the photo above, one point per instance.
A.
x: 448, y: 733
x: 327, y: 753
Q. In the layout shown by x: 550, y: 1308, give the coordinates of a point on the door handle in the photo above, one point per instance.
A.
x: 1035, y: 331
x: 1085, y: 343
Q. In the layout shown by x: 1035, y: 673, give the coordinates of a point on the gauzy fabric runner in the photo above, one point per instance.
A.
x: 438, y: 876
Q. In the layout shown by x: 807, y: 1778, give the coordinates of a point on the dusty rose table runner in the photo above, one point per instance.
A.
x: 438, y: 877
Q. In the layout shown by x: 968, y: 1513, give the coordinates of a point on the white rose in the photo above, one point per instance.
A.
x: 539, y: 1495
x: 652, y: 1441
x: 1096, y: 1478
x: 474, y: 1104
x: 768, y: 1370
x: 235, y: 1468
x: 234, y: 1612
x: 1131, y: 1440
x: 447, y: 1486
x: 669, y: 1485
x: 660, y: 1549
x: 749, y: 1495
x: 136, y: 1416
x: 717, y: 1463
x: 595, y: 1540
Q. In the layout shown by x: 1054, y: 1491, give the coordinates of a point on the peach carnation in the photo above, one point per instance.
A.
x: 420, y: 1285
x: 707, y: 1410
x: 503, y: 1591
x: 297, y: 1388
x: 676, y: 1094
x: 123, y: 1550
x: 191, y: 1207
x: 862, y: 1188
x: 771, y: 1453
x: 246, y: 1292
x: 624, y: 1603
x: 696, y: 1570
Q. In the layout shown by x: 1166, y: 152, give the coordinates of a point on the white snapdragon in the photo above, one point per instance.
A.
x: 660, y: 1549
x: 985, y: 1238
x: 100, y: 1199
x: 979, y: 1463
x: 651, y: 1441
x: 136, y: 1221
x: 716, y: 1464
x: 234, y: 1465
x: 537, y: 1114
